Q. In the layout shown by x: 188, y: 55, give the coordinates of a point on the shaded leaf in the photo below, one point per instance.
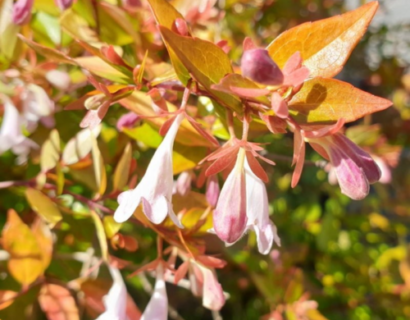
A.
x: 44, y: 239
x: 100, y: 235
x: 207, y: 63
x: 43, y: 206
x: 99, y: 168
x: 327, y: 100
x: 325, y: 45
x: 57, y: 303
x: 122, y: 170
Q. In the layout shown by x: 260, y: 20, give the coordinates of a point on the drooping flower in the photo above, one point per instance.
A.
x: 229, y: 218
x: 212, y: 190
x: 354, y: 168
x: 157, y: 308
x: 64, y: 4
x: 154, y: 191
x: 37, y: 106
x: 116, y: 300
x: 257, y: 211
x: 127, y: 120
x: 11, y: 136
x: 183, y: 184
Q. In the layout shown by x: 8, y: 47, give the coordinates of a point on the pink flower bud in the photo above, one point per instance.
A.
x: 64, y: 4
x: 212, y: 190
x: 257, y: 65
x: 127, y: 120
x: 22, y: 11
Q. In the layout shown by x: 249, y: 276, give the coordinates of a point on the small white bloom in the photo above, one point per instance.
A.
x: 157, y: 308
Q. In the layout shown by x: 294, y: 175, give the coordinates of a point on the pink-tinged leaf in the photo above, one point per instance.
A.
x: 256, y: 167
x: 94, y: 117
x: 181, y: 272
x: 205, y: 134
x: 323, y: 101
x: 248, y: 44
x: 8, y: 297
x: 158, y: 99
x: 205, y: 61
x: 223, y: 44
x: 166, y: 125
x: 211, y: 262
x: 294, y: 63
x: 274, y: 124
x: 296, y: 78
x: 221, y: 163
x: 324, y: 131
x: 113, y: 57
x: 279, y: 106
x: 57, y: 303
x: 298, y: 157
x: 324, y: 45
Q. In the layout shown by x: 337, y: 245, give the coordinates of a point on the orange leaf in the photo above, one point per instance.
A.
x: 327, y: 100
x: 325, y: 45
x: 6, y: 296
x: 26, y: 262
x: 57, y: 303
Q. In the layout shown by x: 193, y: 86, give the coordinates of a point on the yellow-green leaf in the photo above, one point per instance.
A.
x: 165, y: 15
x: 111, y: 226
x: 43, y: 206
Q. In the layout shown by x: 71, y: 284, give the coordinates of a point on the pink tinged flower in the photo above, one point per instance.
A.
x: 229, y: 217
x: 257, y: 211
x: 212, y: 294
x: 37, y: 106
x: 354, y: 168
x: 64, y: 4
x: 127, y: 120
x: 257, y: 65
x: 183, y: 184
x: 59, y: 79
x: 11, y: 136
x: 116, y: 300
x: 157, y: 308
x: 386, y: 174
x: 154, y: 191
x: 22, y: 11
x: 212, y: 190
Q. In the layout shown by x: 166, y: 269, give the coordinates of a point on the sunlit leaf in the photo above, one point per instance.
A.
x: 79, y: 146
x: 326, y: 100
x: 122, y: 170
x: 165, y: 15
x: 50, y: 152
x: 44, y: 238
x: 57, y: 303
x: 44, y: 207
x: 25, y: 263
x: 325, y: 45
x: 100, y: 235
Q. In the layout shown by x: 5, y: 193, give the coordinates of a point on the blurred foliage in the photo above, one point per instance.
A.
x: 339, y: 258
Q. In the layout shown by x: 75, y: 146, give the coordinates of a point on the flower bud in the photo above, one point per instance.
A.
x: 22, y: 11
x: 64, y: 4
x: 257, y: 65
